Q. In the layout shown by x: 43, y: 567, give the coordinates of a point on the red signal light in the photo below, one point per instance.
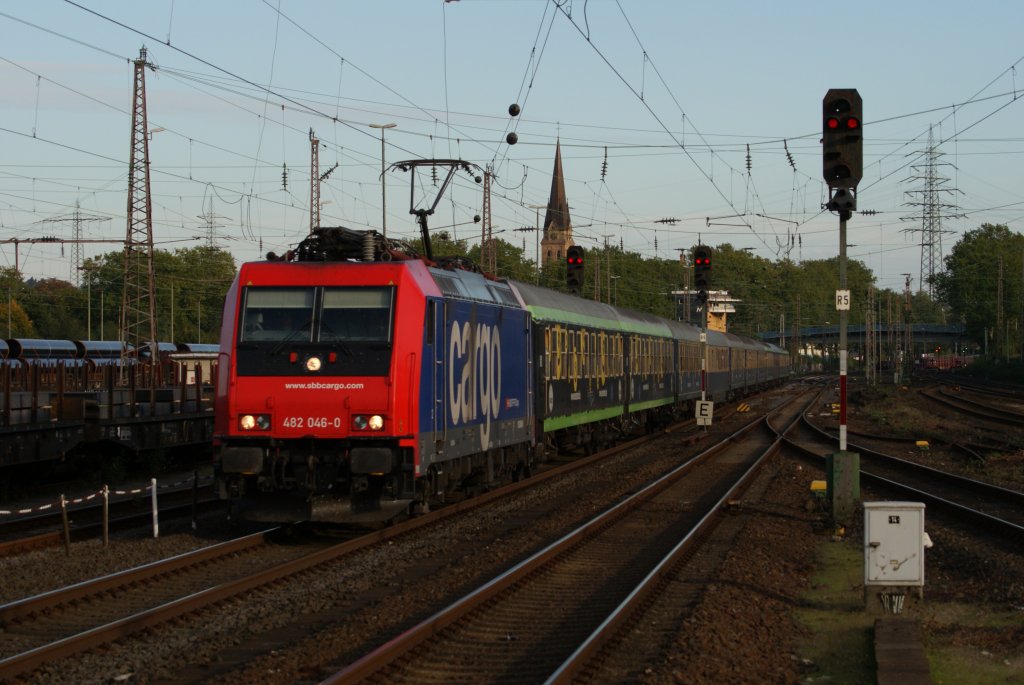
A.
x: 842, y: 144
x: 702, y: 267
x: 574, y: 268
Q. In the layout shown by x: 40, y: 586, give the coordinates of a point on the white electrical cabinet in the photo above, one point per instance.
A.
x: 894, y: 543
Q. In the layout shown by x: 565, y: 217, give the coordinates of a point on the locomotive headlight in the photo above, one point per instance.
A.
x: 373, y: 423
x: 313, y: 364
x: 249, y: 422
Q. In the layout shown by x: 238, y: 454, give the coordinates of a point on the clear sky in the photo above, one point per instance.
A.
x: 655, y: 103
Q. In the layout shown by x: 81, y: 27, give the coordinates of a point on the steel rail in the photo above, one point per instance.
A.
x: 23, y: 609
x: 663, y: 571
x: 985, y: 521
x: 1010, y: 498
x: 27, y: 661
x: 978, y: 409
x: 32, y: 659
x: 385, y: 654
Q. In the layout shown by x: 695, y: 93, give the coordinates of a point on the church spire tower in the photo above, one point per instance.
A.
x: 557, y: 236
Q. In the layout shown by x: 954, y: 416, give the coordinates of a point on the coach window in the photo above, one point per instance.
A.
x: 277, y: 314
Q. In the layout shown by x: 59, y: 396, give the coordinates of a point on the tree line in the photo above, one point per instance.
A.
x: 190, y: 285
x: 982, y: 288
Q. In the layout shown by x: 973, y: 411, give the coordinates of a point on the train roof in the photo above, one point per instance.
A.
x: 685, y: 331
x: 551, y: 305
x: 744, y: 343
x: 468, y: 285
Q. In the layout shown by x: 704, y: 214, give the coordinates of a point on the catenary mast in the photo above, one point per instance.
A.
x: 138, y: 303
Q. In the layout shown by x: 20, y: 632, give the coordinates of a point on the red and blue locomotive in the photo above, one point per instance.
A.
x: 372, y: 382
x: 355, y: 381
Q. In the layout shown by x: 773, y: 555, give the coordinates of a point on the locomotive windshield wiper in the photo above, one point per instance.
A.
x: 336, y: 341
x: 291, y: 337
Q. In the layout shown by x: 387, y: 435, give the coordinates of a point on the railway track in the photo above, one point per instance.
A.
x: 965, y: 452
x: 69, y: 620
x: 547, y: 617
x: 33, y: 655
x: 984, y: 410
x: 669, y: 581
x: 587, y: 588
x: 987, y: 387
x: 991, y: 507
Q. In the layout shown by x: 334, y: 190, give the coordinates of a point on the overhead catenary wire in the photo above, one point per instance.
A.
x: 717, y: 144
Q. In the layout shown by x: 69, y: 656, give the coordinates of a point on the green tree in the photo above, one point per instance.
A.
x: 57, y: 309
x: 983, y: 263
x: 15, y: 322
x: 443, y: 245
x: 190, y: 285
x: 511, y: 260
x: 14, y: 319
x: 190, y: 290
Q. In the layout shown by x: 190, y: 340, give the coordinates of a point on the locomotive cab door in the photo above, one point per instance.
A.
x: 435, y: 322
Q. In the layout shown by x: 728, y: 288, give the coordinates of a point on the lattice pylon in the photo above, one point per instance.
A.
x: 488, y: 250
x: 138, y: 303
x: 314, y: 182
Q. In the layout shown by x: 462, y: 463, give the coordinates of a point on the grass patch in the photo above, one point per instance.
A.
x: 966, y: 643
x: 840, y: 641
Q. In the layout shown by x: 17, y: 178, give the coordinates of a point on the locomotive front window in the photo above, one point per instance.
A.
x: 348, y: 330
x: 277, y: 314
x: 356, y: 315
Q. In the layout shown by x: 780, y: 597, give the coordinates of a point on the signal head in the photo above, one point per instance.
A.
x: 842, y: 139
x: 574, y: 268
x: 702, y: 267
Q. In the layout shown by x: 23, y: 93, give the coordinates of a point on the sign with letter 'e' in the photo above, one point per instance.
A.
x: 704, y: 411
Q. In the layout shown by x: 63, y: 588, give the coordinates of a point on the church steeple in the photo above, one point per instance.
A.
x: 557, y: 237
